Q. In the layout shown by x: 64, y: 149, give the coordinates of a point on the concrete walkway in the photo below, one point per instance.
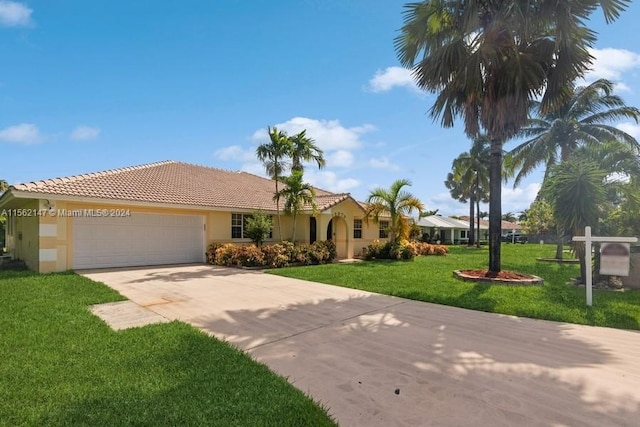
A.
x: 375, y: 360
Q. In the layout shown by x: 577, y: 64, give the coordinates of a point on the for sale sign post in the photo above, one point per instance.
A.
x: 614, y: 259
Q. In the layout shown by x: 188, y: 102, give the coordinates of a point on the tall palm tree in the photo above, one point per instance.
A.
x: 576, y: 188
x: 398, y: 204
x: 296, y: 194
x: 584, y: 120
x: 469, y: 179
x: 275, y: 157
x: 304, y: 149
x: 487, y: 60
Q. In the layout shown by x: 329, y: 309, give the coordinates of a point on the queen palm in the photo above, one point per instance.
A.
x: 487, y: 60
x: 304, y: 149
x: 398, y: 204
x: 585, y: 119
x: 275, y: 157
x: 469, y: 179
x: 296, y: 194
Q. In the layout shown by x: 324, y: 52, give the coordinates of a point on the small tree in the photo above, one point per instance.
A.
x: 539, y: 218
x: 258, y: 227
x: 296, y: 194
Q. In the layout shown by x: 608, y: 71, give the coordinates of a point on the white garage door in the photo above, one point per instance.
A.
x: 139, y: 239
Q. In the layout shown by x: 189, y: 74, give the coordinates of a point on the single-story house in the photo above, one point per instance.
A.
x: 161, y: 213
x: 446, y: 229
x: 505, y: 226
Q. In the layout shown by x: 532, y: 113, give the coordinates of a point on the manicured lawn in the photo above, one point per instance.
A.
x: 430, y: 279
x: 60, y: 365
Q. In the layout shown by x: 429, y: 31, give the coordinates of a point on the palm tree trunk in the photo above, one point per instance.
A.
x: 472, y: 231
x: 478, y: 224
x: 559, y: 242
x: 293, y: 233
x: 278, y: 210
x: 495, y: 204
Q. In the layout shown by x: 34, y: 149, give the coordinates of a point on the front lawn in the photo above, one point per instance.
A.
x: 429, y: 278
x: 60, y: 365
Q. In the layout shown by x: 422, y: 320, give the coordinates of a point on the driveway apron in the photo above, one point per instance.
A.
x: 375, y: 360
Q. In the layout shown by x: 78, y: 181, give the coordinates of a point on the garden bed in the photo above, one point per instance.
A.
x: 502, y: 277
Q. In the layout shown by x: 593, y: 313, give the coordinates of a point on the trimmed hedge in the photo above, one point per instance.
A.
x: 271, y: 256
x: 404, y: 250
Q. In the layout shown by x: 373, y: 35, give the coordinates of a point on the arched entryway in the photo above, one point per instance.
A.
x: 338, y: 232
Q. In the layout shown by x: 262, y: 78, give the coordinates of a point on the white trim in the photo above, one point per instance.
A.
x: 48, y: 255
x: 48, y: 230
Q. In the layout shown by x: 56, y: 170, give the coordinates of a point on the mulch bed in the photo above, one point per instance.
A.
x: 505, y: 277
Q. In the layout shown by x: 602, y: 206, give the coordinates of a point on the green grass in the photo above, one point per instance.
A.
x: 60, y: 365
x: 430, y: 279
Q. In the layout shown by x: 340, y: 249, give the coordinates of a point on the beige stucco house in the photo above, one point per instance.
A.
x: 160, y: 213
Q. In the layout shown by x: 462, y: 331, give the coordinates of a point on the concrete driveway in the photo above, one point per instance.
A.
x: 375, y: 360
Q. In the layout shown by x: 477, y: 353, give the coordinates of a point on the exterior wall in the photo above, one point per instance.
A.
x: 45, y: 242
x: 25, y: 237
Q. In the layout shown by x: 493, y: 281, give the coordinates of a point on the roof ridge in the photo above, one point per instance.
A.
x: 203, y: 166
x: 80, y: 177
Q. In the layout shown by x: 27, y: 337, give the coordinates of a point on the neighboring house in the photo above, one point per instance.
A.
x: 160, y: 213
x: 506, y: 226
x: 446, y: 229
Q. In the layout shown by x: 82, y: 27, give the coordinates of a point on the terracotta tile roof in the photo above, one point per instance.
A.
x: 173, y: 182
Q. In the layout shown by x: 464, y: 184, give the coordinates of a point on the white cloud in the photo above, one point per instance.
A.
x: 631, y: 128
x: 235, y: 153
x: 14, y: 14
x: 340, y: 158
x: 612, y: 64
x: 24, y: 133
x: 328, y: 134
x: 518, y: 199
x: 391, y: 77
x: 328, y: 180
x: 383, y: 163
x: 85, y: 133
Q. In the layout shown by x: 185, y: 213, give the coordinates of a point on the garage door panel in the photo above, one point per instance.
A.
x: 140, y: 239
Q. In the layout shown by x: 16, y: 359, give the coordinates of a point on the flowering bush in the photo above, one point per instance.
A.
x: 403, y: 250
x: 271, y: 256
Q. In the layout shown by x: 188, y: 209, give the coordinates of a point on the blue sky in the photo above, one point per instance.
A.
x: 88, y: 86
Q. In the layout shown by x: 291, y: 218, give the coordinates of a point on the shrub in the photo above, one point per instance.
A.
x: 211, y: 252
x: 403, y: 250
x: 275, y: 256
x: 271, y: 256
x: 258, y: 227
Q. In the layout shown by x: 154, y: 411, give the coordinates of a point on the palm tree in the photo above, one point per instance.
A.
x: 398, y: 204
x: 509, y: 216
x: 296, y: 195
x: 487, y: 60
x: 274, y: 155
x: 469, y: 179
x: 577, y: 190
x: 4, y: 185
x: 305, y: 149
x: 583, y: 120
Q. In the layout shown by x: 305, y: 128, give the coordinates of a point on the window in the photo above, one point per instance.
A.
x: 463, y: 234
x: 383, y: 231
x: 357, y: 229
x: 239, y: 224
